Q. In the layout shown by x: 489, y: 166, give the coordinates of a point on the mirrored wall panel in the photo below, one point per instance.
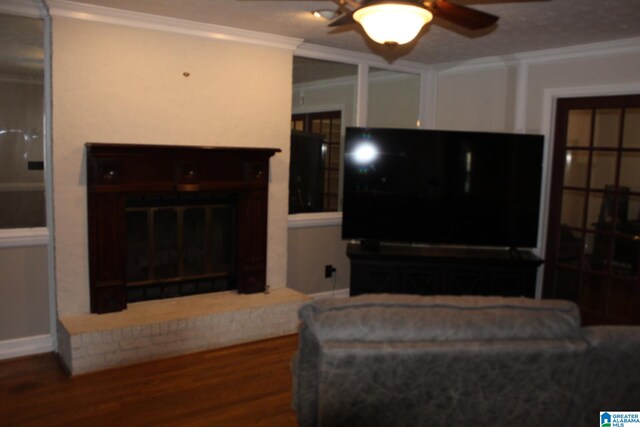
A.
x: 22, y: 202
x: 323, y: 105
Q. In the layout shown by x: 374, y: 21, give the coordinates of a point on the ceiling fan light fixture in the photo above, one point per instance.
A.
x: 327, y: 14
x: 392, y: 23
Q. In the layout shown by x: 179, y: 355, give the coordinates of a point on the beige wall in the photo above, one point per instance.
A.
x: 318, y: 96
x: 476, y: 100
x: 484, y: 98
x: 608, y: 68
x: 393, y: 100
x: 24, y: 298
x: 310, y: 249
x: 119, y: 84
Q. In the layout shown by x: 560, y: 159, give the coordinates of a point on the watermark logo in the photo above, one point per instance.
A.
x: 619, y: 419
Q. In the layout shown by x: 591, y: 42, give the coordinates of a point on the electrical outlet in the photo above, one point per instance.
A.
x: 329, y: 270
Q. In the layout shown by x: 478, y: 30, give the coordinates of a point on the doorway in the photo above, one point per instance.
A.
x: 593, y: 249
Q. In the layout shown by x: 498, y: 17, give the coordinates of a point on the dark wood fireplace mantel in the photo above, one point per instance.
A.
x: 116, y: 172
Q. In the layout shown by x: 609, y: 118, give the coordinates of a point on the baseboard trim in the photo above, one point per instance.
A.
x: 26, y: 346
x: 338, y: 293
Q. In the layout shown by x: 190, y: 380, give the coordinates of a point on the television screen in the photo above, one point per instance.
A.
x: 442, y: 187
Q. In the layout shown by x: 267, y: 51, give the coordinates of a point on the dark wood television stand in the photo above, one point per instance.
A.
x: 443, y: 271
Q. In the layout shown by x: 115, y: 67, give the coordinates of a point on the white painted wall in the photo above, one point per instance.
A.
x: 476, y: 99
x: 608, y: 66
x: 393, y: 100
x: 120, y: 84
x: 24, y: 299
x: 310, y: 250
x: 335, y: 94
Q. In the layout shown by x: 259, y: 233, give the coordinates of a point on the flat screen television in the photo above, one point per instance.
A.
x: 442, y: 187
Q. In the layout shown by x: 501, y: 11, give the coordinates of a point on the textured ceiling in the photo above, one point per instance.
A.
x: 523, y: 26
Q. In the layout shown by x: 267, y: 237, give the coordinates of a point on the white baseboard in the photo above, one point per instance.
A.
x: 25, y: 346
x: 338, y: 293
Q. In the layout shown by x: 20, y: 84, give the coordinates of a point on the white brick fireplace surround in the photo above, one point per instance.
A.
x: 164, y: 328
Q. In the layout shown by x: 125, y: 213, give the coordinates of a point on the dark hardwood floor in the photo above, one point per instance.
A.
x: 245, y: 385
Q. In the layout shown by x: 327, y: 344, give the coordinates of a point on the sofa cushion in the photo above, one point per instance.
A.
x: 522, y: 383
x: 401, y: 318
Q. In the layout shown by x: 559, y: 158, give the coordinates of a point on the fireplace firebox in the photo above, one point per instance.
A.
x: 169, y: 221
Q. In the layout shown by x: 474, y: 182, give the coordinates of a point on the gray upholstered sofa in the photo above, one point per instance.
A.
x: 400, y: 360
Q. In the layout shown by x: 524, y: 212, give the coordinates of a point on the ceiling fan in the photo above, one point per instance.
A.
x: 394, y: 22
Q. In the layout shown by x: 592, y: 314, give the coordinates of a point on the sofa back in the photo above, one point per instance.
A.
x: 402, y: 360
x: 404, y: 318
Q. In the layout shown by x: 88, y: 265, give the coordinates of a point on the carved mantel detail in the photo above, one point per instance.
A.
x: 117, y: 172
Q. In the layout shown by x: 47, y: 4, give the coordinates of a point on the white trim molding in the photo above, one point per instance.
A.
x: 326, y: 53
x: 521, y: 98
x: 70, y: 9
x: 318, y: 219
x: 362, y: 95
x: 23, y: 237
x: 26, y: 346
x: 537, y: 56
x: 428, y: 99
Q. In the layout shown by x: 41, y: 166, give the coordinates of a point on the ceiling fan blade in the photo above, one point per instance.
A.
x: 461, y: 15
x: 345, y: 19
x: 500, y: 1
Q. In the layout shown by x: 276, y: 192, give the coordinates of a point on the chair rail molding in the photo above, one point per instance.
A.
x: 24, y: 237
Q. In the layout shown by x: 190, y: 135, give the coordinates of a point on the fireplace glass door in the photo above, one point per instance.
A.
x: 179, y: 245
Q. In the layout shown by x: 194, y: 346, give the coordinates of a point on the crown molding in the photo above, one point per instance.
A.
x: 29, y: 8
x: 612, y: 47
x: 382, y: 76
x: 314, y: 51
x: 323, y: 84
x: 579, y: 51
x: 70, y: 9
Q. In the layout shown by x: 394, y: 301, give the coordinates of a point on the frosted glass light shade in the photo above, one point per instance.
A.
x: 392, y: 23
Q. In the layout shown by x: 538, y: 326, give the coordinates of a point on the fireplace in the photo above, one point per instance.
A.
x: 179, y: 244
x: 169, y: 221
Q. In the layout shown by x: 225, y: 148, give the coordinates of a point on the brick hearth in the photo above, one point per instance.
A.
x: 163, y: 328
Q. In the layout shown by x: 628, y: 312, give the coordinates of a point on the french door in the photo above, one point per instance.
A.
x: 593, y: 242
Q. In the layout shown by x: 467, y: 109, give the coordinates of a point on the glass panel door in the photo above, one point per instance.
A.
x: 593, y: 248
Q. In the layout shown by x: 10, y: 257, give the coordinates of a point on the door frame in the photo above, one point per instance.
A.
x: 547, y: 127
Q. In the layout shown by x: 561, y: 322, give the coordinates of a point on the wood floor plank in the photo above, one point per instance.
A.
x: 245, y: 385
